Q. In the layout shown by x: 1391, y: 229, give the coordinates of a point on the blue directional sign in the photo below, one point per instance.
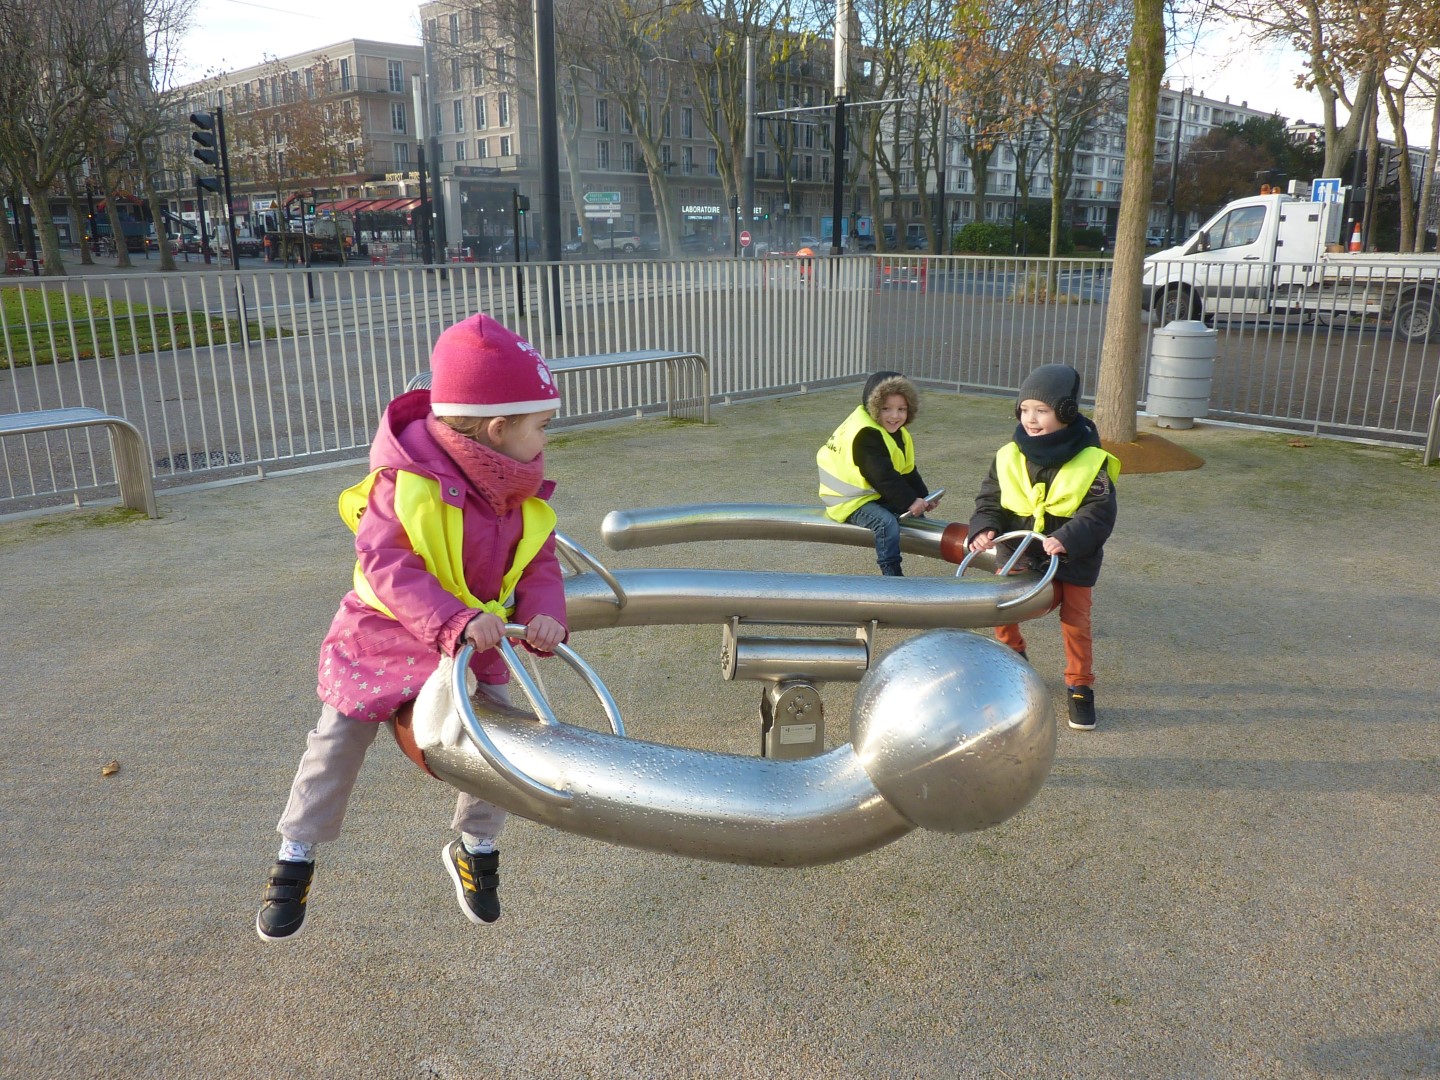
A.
x: 1325, y: 190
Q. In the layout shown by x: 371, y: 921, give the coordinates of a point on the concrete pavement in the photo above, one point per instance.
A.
x: 1233, y: 876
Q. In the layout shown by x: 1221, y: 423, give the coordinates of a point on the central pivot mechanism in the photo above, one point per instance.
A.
x: 792, y: 715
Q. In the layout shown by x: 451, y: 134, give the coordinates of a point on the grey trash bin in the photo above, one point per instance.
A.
x: 1182, y: 364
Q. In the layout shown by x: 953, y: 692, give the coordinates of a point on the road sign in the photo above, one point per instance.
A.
x: 1325, y: 190
x: 606, y: 211
x: 602, y: 196
x: 745, y: 239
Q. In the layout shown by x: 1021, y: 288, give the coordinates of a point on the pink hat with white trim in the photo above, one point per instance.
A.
x: 479, y: 368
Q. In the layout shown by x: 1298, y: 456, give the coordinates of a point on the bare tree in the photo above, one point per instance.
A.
x: 1119, y: 386
x: 56, y: 69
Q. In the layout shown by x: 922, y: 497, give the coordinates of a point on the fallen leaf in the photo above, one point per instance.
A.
x: 110, y: 768
x: 1297, y: 442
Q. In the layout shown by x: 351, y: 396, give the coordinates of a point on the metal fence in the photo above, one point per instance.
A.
x: 231, y: 373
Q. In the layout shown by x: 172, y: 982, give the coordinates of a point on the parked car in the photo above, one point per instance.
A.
x: 860, y: 243
x: 814, y: 243
x: 650, y: 242
x: 627, y: 242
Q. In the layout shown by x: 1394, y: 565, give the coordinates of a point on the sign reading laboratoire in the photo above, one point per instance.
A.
x: 602, y: 204
x: 1325, y: 190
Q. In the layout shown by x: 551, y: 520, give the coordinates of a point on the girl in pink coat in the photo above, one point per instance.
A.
x: 457, y: 466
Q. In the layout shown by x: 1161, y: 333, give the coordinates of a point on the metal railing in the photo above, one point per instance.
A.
x: 231, y: 373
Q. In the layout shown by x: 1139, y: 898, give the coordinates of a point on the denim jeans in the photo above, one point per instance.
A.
x: 886, y: 527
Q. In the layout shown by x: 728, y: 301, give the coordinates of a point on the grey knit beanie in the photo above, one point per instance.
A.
x: 1052, y: 384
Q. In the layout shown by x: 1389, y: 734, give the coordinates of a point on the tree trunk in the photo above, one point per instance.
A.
x: 162, y: 233
x: 45, y: 227
x: 1119, y: 387
x: 1427, y: 185
x: 77, y: 215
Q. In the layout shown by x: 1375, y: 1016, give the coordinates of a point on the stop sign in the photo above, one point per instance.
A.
x: 745, y: 239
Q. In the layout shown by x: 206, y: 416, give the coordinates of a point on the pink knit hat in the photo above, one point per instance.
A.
x: 479, y: 368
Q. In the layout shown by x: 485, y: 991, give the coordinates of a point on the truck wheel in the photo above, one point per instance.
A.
x: 1417, y: 318
x: 1178, y: 303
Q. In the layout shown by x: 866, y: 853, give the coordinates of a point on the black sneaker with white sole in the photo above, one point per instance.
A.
x: 1082, y: 707
x: 286, y: 890
x: 477, y: 879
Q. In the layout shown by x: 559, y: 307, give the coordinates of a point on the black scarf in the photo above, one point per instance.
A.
x: 1058, y: 447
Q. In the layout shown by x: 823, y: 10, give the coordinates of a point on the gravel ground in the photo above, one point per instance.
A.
x: 1233, y: 876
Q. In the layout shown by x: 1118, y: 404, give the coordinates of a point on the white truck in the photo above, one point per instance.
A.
x: 1271, y: 256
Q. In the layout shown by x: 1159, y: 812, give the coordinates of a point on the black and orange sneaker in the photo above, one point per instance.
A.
x: 283, y: 911
x: 1082, y: 707
x: 476, y: 877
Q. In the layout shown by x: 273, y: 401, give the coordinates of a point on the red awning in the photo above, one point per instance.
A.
x: 346, y: 206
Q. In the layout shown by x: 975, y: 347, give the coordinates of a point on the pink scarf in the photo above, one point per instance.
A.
x: 503, y: 482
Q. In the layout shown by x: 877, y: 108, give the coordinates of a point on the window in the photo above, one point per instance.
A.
x: 396, y: 69
x: 397, y: 116
x: 459, y: 111
x: 482, y: 148
x: 687, y: 123
x: 627, y: 156
x: 687, y: 160
x: 602, y: 115
x: 502, y: 63
x: 712, y: 161
x: 454, y: 28
x: 344, y: 73
x: 809, y: 136
x: 760, y: 163
x: 459, y: 151
x: 665, y: 124
x: 402, y: 156
x: 625, y: 125
x: 504, y: 110
x: 454, y: 73
x: 436, y: 125
x: 480, y: 122
x: 1239, y: 228
x: 309, y: 82
x: 477, y: 73
x: 602, y: 154
x: 504, y: 145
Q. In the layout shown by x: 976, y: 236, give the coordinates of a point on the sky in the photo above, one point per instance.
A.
x: 229, y: 34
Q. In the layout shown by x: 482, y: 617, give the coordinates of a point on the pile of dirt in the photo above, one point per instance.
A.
x: 1152, y: 454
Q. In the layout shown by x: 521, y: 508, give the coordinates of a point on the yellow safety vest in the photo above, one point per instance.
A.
x: 843, y: 488
x: 436, y: 531
x: 1063, y: 495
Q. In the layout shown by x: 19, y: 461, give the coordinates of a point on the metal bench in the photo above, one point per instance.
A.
x: 677, y: 364
x: 127, y: 447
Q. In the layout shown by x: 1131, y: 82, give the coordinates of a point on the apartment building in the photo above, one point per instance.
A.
x: 338, y: 120
x: 485, y: 139
x: 1093, y: 199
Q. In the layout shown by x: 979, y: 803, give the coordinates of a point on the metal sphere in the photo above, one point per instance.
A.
x: 955, y: 730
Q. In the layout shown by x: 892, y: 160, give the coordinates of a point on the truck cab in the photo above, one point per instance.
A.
x: 1277, y: 255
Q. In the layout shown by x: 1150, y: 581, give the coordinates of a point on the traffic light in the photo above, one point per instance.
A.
x: 208, y: 183
x: 207, y: 148
x: 522, y: 203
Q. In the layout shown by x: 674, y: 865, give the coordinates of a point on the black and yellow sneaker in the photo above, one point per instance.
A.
x: 476, y: 877
x: 1082, y: 707
x: 283, y: 911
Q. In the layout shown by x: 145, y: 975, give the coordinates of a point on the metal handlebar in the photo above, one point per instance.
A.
x: 1025, y: 537
x: 476, y: 730
x: 576, y: 555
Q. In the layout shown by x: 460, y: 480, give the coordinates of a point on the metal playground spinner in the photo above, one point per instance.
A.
x: 949, y: 730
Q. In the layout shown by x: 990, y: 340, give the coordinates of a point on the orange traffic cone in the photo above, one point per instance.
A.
x: 1355, y: 238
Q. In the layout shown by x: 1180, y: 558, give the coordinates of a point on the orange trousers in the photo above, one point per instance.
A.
x: 1074, y: 604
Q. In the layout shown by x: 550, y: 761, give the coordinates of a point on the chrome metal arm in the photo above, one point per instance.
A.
x: 481, y: 738
x: 1025, y: 537
x: 579, y: 559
